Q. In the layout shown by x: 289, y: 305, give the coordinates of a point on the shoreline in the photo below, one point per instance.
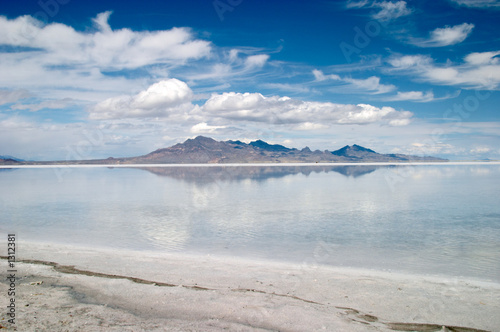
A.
x: 444, y: 163
x: 212, y: 293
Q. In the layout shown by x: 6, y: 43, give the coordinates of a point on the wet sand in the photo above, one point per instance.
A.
x: 64, y: 288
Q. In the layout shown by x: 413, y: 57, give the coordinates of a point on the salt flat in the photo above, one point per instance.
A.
x: 68, y: 288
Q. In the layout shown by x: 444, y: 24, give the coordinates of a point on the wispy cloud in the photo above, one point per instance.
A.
x: 391, y: 10
x: 386, y: 10
x: 478, y: 3
x: 320, y: 76
x: 413, y: 96
x: 371, y: 84
x: 11, y: 96
x: 48, y: 104
x: 445, y: 36
x: 480, y: 70
x: 419, y: 96
x: 105, y: 48
x: 292, y: 88
x: 92, y: 63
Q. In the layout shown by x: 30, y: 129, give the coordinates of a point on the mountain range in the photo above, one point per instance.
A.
x: 202, y: 150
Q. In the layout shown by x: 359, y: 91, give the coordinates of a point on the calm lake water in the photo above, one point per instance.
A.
x: 419, y: 219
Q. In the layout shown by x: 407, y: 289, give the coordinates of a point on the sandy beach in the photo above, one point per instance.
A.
x: 63, y: 288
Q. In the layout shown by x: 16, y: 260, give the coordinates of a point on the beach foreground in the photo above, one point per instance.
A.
x: 63, y: 288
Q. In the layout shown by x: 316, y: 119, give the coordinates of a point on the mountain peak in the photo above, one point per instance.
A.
x: 203, y: 139
x: 353, y: 151
x: 266, y: 146
x: 361, y: 148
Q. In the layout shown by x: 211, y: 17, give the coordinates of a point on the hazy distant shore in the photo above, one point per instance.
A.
x: 117, y: 290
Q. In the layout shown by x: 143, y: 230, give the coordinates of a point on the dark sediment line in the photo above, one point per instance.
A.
x: 354, y: 315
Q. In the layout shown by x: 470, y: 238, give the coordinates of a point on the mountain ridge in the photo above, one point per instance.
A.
x: 206, y: 150
x: 203, y: 149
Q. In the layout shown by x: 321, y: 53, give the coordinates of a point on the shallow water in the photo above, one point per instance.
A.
x: 419, y: 219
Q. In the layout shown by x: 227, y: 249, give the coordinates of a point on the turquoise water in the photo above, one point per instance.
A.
x: 441, y: 220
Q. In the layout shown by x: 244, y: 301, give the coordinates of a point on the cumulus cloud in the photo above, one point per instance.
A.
x: 159, y: 100
x: 11, y: 96
x: 480, y: 70
x: 283, y: 110
x: 446, y: 36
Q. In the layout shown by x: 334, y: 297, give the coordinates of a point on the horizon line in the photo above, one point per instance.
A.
x: 448, y: 163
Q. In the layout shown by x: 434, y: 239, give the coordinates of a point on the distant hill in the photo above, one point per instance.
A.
x: 203, y: 150
x: 9, y: 160
x: 5, y: 157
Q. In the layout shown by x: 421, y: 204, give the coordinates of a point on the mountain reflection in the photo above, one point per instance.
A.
x: 256, y: 173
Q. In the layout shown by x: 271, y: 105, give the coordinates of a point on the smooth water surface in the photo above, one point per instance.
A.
x: 420, y: 219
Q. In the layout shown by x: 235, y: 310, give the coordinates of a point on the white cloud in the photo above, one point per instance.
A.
x: 159, y: 100
x: 235, y: 64
x: 294, y: 88
x: 484, y: 58
x: 319, y: 76
x: 371, y: 84
x: 413, y: 96
x: 481, y: 149
x: 388, y: 10
x: 310, y: 126
x: 356, y: 3
x: 101, y: 21
x: 410, y: 61
x: 478, y: 3
x: 480, y: 70
x: 11, y: 96
x: 391, y: 10
x: 204, y: 128
x: 254, y: 107
x: 430, y: 148
x: 446, y: 36
x: 58, y: 61
x: 51, y: 104
x: 105, y: 48
x: 258, y: 60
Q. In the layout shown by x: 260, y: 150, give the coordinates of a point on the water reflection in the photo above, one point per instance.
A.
x: 255, y: 173
x: 442, y: 219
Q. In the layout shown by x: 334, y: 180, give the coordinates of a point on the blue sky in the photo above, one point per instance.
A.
x: 81, y: 79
